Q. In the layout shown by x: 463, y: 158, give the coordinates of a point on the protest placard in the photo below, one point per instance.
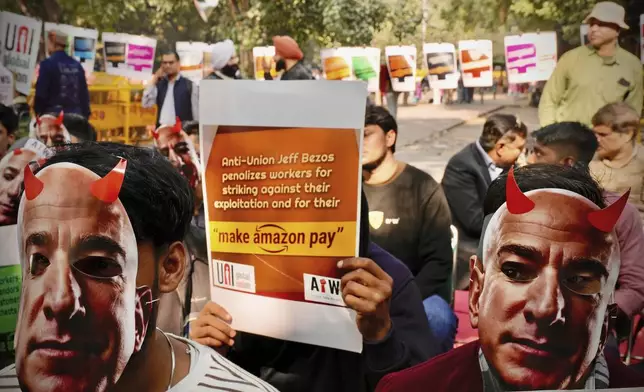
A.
x: 81, y: 43
x: 440, y: 60
x: 192, y: 56
x: 128, y: 55
x: 337, y: 63
x: 282, y: 195
x: 263, y: 54
x: 530, y: 57
x: 366, y: 67
x: 19, y: 48
x: 401, y: 64
x: 476, y: 63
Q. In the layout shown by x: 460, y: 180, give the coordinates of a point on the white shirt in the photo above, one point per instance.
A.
x: 6, y: 86
x: 167, y: 114
x: 491, y: 166
x: 209, y: 371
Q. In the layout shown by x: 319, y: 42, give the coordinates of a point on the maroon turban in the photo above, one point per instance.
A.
x: 286, y: 47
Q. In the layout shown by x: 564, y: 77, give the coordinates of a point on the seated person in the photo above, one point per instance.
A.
x: 541, y: 294
x: 574, y: 144
x: 100, y: 240
x: 470, y: 172
x: 619, y: 163
x: 394, y: 327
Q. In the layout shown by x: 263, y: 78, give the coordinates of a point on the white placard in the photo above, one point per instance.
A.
x: 337, y: 63
x: 261, y: 53
x: 366, y: 67
x: 274, y: 292
x: 401, y: 64
x: 128, y: 55
x: 20, y: 40
x: 6, y: 86
x: 530, y: 57
x: 440, y: 60
x: 81, y: 43
x: 192, y: 56
x: 476, y: 58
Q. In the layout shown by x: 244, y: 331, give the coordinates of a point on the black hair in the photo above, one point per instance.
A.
x: 79, y: 127
x: 377, y: 115
x: 8, y: 119
x: 172, y: 53
x: 541, y: 176
x: 156, y: 197
x: 571, y: 138
x: 191, y: 127
x: 498, y: 126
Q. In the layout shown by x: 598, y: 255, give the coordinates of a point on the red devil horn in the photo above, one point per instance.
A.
x: 155, y: 133
x: 59, y: 120
x: 107, y: 188
x: 38, y: 122
x: 17, y: 151
x: 177, y: 126
x: 33, y: 186
x: 606, y: 219
x: 517, y: 202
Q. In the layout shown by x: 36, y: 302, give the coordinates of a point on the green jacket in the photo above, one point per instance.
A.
x: 584, y: 82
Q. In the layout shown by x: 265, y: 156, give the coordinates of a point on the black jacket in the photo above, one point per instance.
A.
x: 298, y: 72
x: 465, y: 183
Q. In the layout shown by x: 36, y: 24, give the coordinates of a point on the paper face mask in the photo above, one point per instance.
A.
x: 50, y: 130
x: 11, y: 175
x: 550, y: 261
x: 81, y: 315
x: 176, y: 145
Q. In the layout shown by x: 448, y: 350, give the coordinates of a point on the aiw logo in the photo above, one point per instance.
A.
x: 323, y: 289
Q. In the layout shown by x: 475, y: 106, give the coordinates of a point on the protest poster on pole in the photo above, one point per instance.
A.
x: 584, y: 29
x: 530, y: 57
x: 19, y: 48
x: 476, y: 59
x: 263, y: 54
x: 401, y: 64
x: 192, y: 56
x: 6, y: 86
x: 282, y: 196
x: 337, y: 63
x: 131, y: 56
x: 365, y: 63
x: 440, y: 60
x: 81, y: 43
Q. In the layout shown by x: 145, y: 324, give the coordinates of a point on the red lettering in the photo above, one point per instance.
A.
x: 323, y: 284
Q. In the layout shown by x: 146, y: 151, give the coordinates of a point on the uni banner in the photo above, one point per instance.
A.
x: 20, y: 38
x: 337, y: 63
x: 261, y: 54
x: 441, y: 65
x: 81, y: 43
x: 192, y: 59
x: 476, y: 59
x: 366, y: 67
x: 530, y: 57
x: 401, y: 63
x: 281, y: 215
x: 131, y: 56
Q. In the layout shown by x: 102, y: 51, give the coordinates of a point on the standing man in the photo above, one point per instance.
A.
x: 288, y: 58
x: 174, y: 95
x: 61, y: 84
x: 409, y: 218
x: 592, y: 76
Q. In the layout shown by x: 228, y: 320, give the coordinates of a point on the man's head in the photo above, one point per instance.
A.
x: 223, y: 54
x: 170, y: 63
x: 606, y: 21
x: 503, y: 138
x: 287, y: 52
x: 11, y: 172
x: 616, y: 126
x: 380, y: 135
x: 544, y: 277
x: 175, y: 144
x: 567, y: 143
x: 100, y: 231
x: 50, y: 129
x: 8, y: 127
x: 56, y: 40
